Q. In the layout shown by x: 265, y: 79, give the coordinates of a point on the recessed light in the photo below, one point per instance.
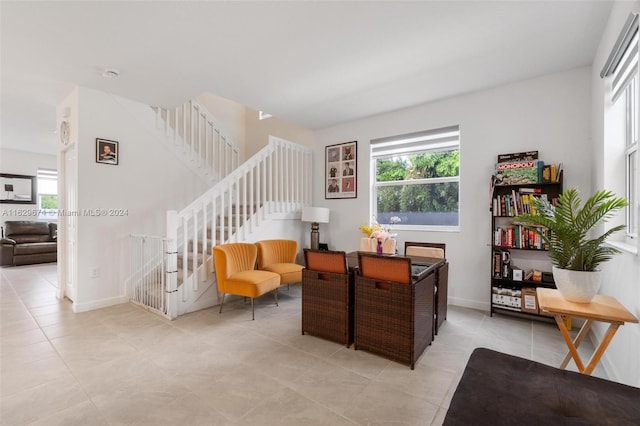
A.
x: 110, y: 73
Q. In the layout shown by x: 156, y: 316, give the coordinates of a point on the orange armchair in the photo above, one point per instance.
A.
x: 235, y: 273
x: 279, y: 256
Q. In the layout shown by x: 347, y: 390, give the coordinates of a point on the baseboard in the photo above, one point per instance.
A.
x: 468, y: 303
x: 97, y: 304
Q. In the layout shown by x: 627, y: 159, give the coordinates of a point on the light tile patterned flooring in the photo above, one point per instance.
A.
x: 125, y: 366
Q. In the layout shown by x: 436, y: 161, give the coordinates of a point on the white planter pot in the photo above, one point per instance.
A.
x: 577, y: 286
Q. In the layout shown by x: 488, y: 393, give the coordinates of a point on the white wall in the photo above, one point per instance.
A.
x: 622, y: 274
x: 23, y: 163
x: 148, y: 181
x: 246, y: 130
x: 258, y: 132
x: 550, y: 114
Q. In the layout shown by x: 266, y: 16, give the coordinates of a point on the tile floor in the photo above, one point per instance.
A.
x: 125, y: 366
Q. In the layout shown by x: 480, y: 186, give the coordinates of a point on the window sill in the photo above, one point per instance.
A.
x: 626, y: 247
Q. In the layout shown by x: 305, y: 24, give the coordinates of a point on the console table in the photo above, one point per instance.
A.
x: 602, y: 308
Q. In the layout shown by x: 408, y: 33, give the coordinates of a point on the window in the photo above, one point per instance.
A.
x: 417, y: 178
x: 47, y: 194
x: 622, y: 69
x: 631, y: 156
x: 263, y: 115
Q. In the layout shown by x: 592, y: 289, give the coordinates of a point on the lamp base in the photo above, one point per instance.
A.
x: 315, y: 236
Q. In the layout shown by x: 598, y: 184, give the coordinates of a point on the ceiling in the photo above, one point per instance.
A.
x: 315, y: 64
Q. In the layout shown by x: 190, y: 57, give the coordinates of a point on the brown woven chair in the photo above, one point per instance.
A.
x: 393, y: 314
x: 419, y: 248
x: 438, y: 250
x: 327, y: 296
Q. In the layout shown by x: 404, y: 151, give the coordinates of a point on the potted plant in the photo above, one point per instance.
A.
x: 574, y: 255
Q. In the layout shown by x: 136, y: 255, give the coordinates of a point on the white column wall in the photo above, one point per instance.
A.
x: 148, y: 180
x: 622, y: 274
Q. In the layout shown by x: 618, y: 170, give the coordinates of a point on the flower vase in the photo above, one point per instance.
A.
x: 379, y: 248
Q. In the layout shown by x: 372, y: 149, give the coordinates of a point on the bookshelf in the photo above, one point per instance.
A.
x: 519, y: 261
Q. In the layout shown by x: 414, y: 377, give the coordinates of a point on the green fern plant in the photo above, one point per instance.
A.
x: 570, y: 223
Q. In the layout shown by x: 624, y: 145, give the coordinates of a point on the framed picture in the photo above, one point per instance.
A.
x: 18, y: 189
x: 341, y: 170
x: 107, y: 152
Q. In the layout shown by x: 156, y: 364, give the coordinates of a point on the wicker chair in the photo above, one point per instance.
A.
x: 235, y: 273
x: 327, y: 296
x: 413, y: 248
x: 393, y: 314
x: 279, y: 256
x: 437, y: 250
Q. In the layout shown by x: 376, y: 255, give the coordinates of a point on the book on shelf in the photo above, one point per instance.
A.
x: 497, y: 264
x: 520, y: 237
x: 547, y: 174
x: 551, y: 173
x: 555, y: 176
x: 517, y: 203
x: 530, y: 190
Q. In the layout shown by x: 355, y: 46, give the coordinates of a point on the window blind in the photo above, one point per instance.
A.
x: 622, y: 63
x: 442, y: 139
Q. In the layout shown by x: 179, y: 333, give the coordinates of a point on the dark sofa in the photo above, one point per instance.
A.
x: 500, y: 389
x: 26, y: 242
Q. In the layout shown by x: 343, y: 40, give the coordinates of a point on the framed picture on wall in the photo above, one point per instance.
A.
x: 107, y: 152
x: 341, y: 171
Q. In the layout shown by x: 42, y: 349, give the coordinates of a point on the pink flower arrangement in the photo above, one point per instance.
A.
x: 380, y: 235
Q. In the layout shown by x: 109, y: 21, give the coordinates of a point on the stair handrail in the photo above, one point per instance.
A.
x: 276, y: 179
x: 204, y: 143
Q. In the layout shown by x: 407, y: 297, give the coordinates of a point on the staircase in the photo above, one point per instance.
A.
x: 174, y: 274
x: 198, y: 140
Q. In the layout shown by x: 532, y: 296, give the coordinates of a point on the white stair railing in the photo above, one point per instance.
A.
x: 167, y: 271
x: 198, y: 138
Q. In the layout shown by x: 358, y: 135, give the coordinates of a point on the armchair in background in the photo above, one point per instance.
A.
x: 279, y: 256
x: 236, y: 274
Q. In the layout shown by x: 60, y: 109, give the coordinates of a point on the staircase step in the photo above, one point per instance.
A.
x: 189, y: 260
x: 199, y: 249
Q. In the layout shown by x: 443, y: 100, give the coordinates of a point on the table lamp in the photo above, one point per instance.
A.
x: 315, y: 215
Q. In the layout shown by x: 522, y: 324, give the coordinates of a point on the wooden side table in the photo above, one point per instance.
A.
x: 602, y: 308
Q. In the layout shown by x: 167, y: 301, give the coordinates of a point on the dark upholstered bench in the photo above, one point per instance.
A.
x: 500, y: 389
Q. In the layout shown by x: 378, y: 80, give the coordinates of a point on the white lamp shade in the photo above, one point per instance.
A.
x: 315, y: 214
